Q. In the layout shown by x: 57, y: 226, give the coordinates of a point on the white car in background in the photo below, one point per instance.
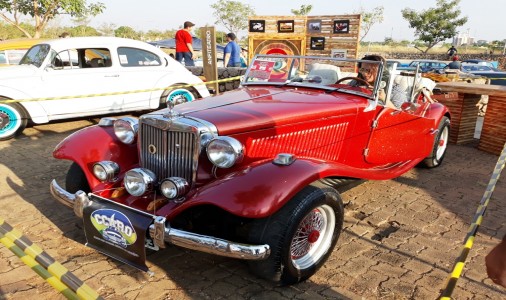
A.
x: 134, y: 75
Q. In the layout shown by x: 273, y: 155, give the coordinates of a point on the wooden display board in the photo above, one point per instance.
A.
x: 336, y: 35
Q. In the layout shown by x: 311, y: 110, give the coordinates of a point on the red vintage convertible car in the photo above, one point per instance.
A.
x: 252, y: 173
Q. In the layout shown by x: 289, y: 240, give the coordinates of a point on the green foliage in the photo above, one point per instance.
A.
x: 303, y: 11
x: 43, y: 11
x: 83, y: 30
x: 233, y: 15
x: 435, y: 25
x: 126, y: 32
x: 369, y: 18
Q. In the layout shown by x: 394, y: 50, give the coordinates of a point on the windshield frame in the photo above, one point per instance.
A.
x: 40, y: 52
x: 291, y: 73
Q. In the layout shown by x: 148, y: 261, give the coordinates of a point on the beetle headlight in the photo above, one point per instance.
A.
x: 106, y: 170
x: 174, y: 187
x: 139, y: 181
x: 225, y: 151
x: 126, y: 129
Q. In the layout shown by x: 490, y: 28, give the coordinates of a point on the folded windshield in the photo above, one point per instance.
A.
x: 354, y: 76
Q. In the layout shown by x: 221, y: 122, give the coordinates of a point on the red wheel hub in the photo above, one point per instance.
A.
x: 313, y: 236
x: 441, y: 142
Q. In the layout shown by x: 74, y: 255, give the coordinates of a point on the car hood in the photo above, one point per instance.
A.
x: 11, y: 72
x: 254, y: 108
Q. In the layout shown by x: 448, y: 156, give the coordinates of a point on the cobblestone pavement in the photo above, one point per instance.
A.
x: 400, y: 240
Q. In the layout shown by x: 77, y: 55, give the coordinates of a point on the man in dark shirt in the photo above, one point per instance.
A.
x: 455, y: 64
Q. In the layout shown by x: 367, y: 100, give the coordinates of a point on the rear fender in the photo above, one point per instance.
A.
x: 258, y: 190
x: 437, y: 111
x: 93, y: 144
x: 35, y: 111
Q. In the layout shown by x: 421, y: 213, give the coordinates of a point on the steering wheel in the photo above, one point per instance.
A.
x: 354, y: 78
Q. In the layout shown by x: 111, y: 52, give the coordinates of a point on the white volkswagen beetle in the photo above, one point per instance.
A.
x: 79, y: 69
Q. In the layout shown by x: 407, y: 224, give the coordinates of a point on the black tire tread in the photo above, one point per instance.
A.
x: 76, y: 180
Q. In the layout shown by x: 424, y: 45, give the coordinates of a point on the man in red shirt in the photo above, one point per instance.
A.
x: 184, y: 49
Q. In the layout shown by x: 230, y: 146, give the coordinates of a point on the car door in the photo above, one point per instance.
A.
x: 401, y: 134
x: 140, y: 70
x: 72, y: 74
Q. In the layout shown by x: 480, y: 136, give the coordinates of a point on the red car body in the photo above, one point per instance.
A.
x: 329, y: 135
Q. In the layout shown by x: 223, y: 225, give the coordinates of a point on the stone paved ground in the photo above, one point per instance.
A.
x: 400, y: 240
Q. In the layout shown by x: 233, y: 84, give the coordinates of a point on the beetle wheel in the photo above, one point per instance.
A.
x: 301, y: 235
x: 179, y: 96
x: 13, y: 120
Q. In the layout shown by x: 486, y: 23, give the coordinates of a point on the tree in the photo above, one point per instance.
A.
x: 232, y: 14
x: 435, y: 25
x: 126, y: 32
x: 369, y: 18
x: 303, y: 11
x: 43, y: 11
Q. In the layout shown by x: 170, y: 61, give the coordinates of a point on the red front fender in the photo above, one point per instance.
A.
x: 257, y: 191
x: 92, y: 144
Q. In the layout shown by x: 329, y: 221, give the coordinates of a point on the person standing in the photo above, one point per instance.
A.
x: 452, y: 51
x: 184, y: 48
x: 496, y: 263
x: 455, y: 64
x: 232, y: 52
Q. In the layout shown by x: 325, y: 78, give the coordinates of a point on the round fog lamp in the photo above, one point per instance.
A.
x: 126, y: 129
x: 106, y: 171
x: 139, y: 181
x: 174, y: 187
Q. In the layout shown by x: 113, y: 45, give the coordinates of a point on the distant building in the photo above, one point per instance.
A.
x: 463, y: 38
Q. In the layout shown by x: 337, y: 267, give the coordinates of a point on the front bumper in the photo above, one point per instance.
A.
x: 162, y: 233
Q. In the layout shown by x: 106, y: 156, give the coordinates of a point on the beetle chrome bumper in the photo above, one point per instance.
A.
x: 162, y: 233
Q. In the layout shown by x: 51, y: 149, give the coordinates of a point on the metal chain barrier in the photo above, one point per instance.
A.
x: 473, y: 228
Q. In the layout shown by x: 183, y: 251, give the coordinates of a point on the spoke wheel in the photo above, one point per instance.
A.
x: 440, y: 145
x: 313, y: 237
x: 301, y: 235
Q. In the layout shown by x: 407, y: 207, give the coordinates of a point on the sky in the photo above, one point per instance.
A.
x: 483, y: 15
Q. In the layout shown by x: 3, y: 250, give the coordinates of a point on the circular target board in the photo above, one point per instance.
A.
x: 278, y: 47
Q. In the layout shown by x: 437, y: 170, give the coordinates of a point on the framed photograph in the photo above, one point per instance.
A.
x: 317, y: 43
x: 285, y: 26
x: 314, y: 26
x: 339, y: 53
x: 256, y: 25
x: 341, y: 26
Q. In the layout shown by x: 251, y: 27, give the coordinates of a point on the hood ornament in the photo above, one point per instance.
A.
x: 171, y: 113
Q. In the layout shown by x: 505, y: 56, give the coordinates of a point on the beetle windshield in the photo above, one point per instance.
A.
x: 347, y: 75
x: 36, y: 55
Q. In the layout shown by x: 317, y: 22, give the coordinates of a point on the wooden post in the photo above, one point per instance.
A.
x: 209, y: 56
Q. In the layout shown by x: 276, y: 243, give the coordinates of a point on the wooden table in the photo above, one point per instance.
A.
x: 464, y: 112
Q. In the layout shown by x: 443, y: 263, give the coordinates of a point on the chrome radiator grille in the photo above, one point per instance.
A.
x: 168, y: 153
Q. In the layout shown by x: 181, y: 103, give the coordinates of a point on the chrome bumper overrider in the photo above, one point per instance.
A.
x: 162, y: 233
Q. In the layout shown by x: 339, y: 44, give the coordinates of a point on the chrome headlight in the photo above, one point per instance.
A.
x: 106, y: 170
x: 225, y: 151
x: 174, y: 187
x: 126, y: 129
x: 139, y: 181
